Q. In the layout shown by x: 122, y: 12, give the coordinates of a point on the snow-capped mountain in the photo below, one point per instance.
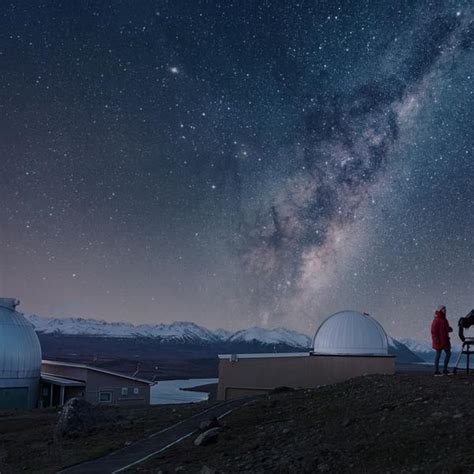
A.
x: 420, y: 347
x: 271, y: 337
x: 183, y: 332
x: 179, y: 331
x: 403, y: 353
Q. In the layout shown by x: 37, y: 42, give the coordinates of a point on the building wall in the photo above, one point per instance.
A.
x: 75, y: 373
x: 250, y: 376
x: 19, y: 393
x: 97, y: 382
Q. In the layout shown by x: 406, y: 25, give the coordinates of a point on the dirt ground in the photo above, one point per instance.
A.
x: 28, y: 443
x: 373, y: 424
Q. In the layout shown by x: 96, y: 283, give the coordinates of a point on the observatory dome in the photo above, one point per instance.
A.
x: 20, y: 358
x: 350, y: 333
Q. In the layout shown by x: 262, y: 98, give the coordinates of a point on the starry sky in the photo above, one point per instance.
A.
x: 238, y: 163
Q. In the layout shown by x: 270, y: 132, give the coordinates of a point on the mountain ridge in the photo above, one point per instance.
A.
x: 186, y: 333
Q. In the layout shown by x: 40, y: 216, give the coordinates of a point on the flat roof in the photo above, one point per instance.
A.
x: 54, y: 379
x: 264, y: 355
x: 96, y: 369
x: 294, y: 354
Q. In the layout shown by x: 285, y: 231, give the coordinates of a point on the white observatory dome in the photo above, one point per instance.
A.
x: 350, y: 333
x: 20, y: 358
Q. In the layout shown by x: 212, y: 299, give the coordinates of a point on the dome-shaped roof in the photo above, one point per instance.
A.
x: 350, y: 333
x: 20, y: 350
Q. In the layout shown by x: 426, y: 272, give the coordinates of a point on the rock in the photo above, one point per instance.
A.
x: 322, y: 467
x: 208, y: 424
x: 458, y: 415
x: 207, y: 437
x: 207, y: 470
x: 76, y: 417
x: 436, y: 414
x: 346, y: 422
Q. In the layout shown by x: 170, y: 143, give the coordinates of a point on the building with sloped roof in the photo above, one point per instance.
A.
x: 28, y: 382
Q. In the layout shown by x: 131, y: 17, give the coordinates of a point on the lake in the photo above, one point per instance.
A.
x: 169, y: 391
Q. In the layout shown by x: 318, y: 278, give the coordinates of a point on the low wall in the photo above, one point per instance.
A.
x: 253, y: 375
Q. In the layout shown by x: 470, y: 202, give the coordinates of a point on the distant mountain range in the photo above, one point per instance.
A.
x: 188, y: 333
x: 177, y: 332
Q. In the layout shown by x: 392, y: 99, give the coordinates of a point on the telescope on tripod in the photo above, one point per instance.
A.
x: 467, y: 342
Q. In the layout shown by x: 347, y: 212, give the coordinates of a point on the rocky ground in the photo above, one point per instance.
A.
x: 31, y: 442
x: 401, y: 423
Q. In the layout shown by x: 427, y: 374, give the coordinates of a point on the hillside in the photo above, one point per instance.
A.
x: 373, y: 424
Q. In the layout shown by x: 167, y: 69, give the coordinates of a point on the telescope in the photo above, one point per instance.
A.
x: 465, y: 323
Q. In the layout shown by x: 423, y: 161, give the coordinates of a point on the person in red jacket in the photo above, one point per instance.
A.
x: 440, y: 330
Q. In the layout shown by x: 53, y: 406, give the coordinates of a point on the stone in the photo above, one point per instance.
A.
x: 207, y: 437
x: 207, y: 470
x: 77, y: 416
x: 208, y: 424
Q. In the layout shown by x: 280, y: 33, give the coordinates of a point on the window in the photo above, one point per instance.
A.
x: 105, y: 397
x: 124, y: 391
x: 136, y: 390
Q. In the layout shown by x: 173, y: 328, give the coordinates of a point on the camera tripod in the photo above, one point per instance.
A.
x: 466, y: 349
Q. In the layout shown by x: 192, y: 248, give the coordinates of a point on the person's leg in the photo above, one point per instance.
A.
x: 446, y: 359
x: 437, y: 356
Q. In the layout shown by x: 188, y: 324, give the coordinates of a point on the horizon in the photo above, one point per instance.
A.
x: 209, y: 328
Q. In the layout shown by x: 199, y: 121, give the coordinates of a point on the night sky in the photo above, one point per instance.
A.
x: 238, y: 163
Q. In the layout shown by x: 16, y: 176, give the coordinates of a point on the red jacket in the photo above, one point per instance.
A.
x: 440, y: 330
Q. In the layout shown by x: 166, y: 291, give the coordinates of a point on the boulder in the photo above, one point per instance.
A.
x: 207, y: 470
x: 207, y: 437
x: 77, y: 416
x: 208, y: 424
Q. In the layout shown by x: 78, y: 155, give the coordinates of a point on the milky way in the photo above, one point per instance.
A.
x: 349, y: 139
x: 238, y: 163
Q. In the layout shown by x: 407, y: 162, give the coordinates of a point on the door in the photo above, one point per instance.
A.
x: 14, y: 397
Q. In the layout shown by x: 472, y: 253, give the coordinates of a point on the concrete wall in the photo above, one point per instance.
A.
x: 250, y: 376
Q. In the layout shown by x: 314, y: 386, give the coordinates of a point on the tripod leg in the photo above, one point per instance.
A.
x: 468, y: 357
x: 455, y: 369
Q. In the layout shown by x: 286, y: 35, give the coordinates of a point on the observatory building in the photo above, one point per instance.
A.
x: 28, y: 382
x: 20, y: 358
x: 346, y: 345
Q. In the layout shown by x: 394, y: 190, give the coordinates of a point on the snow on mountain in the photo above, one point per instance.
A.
x: 420, y: 347
x: 223, y: 334
x: 188, y: 332
x: 402, y: 352
x: 272, y: 337
x: 178, y: 331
